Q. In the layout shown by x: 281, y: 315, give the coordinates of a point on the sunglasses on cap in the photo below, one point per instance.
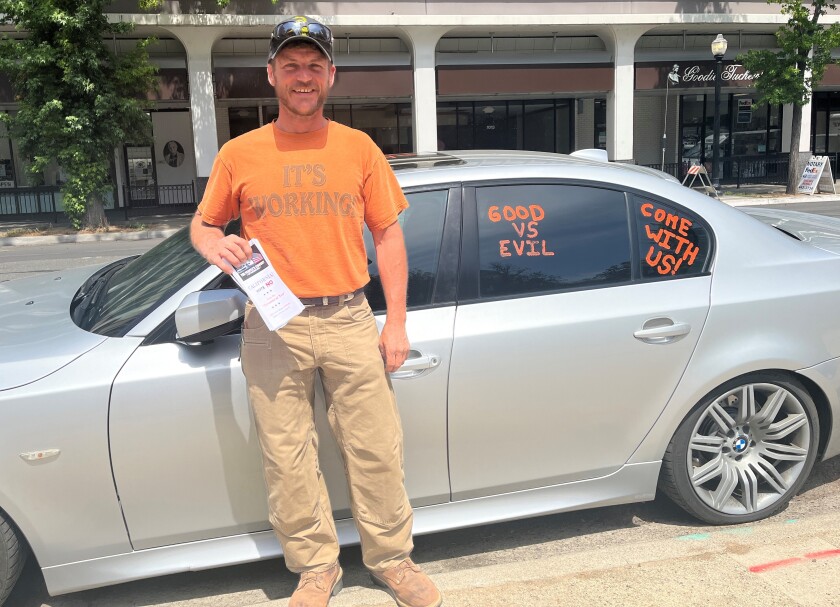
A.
x: 301, y: 28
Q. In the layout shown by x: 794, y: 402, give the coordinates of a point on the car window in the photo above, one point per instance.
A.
x: 135, y: 289
x: 543, y: 237
x: 422, y: 224
x: 672, y: 241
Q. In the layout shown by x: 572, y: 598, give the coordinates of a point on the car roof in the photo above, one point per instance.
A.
x: 472, y: 165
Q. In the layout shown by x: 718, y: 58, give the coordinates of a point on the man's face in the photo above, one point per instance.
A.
x: 302, y: 77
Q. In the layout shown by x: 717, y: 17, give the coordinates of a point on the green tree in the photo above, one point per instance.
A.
x: 787, y: 75
x: 78, y: 98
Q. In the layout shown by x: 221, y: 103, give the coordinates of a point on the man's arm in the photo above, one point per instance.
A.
x: 222, y: 251
x: 393, y: 272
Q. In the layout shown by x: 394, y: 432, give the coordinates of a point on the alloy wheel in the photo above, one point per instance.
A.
x: 748, y: 448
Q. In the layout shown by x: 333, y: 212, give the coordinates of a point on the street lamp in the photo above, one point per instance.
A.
x: 718, y: 50
x: 674, y: 77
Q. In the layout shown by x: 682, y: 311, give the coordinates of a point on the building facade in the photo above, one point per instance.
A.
x: 423, y: 76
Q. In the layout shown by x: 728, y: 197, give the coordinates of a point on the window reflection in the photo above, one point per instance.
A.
x: 388, y: 124
x: 538, y: 238
x: 422, y: 225
x: 539, y: 125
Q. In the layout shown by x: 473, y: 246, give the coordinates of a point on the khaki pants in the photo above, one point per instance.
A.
x: 340, y: 343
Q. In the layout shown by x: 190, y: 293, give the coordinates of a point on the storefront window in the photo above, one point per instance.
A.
x: 749, y: 128
x: 243, y: 119
x: 724, y: 142
x: 540, y: 125
x: 340, y: 113
x: 447, y: 125
x: 466, y: 126
x: 491, y: 130
x: 405, y: 117
x: 755, y: 129
x: 564, y: 126
x: 601, y: 124
x: 539, y: 131
x: 388, y: 124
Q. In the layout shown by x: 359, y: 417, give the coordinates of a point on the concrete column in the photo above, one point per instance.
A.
x: 805, y: 132
x: 787, y: 123
x: 622, y: 42
x: 423, y: 41
x: 198, y: 42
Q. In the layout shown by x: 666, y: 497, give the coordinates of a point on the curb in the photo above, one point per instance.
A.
x: 73, y: 238
x: 749, y: 201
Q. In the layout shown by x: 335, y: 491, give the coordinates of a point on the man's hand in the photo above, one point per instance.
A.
x: 227, y: 253
x: 224, y: 252
x: 393, y: 345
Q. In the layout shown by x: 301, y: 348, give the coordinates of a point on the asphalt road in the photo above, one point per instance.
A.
x: 640, y: 554
x: 20, y: 262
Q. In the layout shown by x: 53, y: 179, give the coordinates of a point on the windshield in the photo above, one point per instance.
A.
x: 126, y: 295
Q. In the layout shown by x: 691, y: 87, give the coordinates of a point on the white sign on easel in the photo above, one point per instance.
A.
x: 816, y: 175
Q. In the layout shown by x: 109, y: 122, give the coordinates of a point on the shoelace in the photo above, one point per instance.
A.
x: 317, y: 578
x: 404, y: 568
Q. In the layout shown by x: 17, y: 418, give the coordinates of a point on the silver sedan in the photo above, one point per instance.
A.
x: 583, y: 333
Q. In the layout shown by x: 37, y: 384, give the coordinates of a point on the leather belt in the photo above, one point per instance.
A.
x: 331, y: 300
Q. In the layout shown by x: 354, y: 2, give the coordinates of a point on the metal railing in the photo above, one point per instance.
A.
x: 737, y: 170
x: 23, y: 202
x: 159, y: 195
x: 41, y: 202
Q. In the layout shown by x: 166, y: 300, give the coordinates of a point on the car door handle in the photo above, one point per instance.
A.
x: 416, y: 364
x: 662, y: 334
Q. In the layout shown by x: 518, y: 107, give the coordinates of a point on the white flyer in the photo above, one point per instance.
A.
x: 274, y: 301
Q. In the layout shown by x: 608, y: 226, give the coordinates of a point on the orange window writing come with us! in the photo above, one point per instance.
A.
x: 669, y: 234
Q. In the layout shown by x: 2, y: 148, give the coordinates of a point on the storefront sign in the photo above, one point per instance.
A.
x: 816, y: 174
x: 692, y: 75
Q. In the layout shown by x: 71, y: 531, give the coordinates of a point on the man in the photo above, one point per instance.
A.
x: 303, y: 186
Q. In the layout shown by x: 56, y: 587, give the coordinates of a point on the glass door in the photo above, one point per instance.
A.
x: 142, y: 177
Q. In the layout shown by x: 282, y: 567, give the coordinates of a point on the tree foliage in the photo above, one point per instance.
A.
x: 787, y: 75
x: 151, y: 5
x: 78, y: 98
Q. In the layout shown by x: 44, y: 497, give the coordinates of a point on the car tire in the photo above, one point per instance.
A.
x: 12, y: 557
x: 744, y: 451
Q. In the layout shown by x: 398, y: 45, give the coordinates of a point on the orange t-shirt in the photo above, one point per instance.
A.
x: 305, y: 196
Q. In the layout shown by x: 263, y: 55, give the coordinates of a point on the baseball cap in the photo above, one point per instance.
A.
x: 301, y: 28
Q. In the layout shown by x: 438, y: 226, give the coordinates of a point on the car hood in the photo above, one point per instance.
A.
x: 37, y: 335
x: 819, y: 230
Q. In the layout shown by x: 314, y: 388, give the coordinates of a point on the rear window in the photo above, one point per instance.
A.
x: 672, y: 241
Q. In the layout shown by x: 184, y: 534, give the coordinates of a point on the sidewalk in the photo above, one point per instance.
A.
x: 762, y: 194
x: 161, y: 226
x: 25, y: 232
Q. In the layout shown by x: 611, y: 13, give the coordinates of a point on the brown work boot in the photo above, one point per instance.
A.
x: 409, y: 586
x: 316, y: 589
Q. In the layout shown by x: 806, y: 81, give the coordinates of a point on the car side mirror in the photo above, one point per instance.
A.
x: 205, y: 315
